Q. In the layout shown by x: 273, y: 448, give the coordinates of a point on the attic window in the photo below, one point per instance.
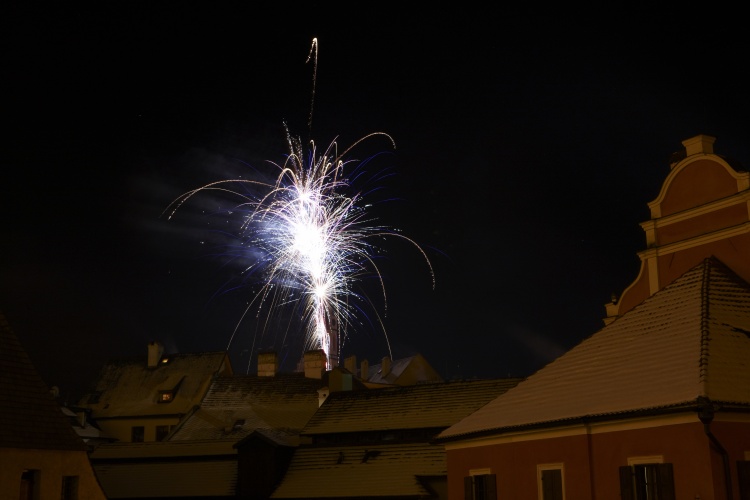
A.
x: 166, y: 396
x: 165, y: 360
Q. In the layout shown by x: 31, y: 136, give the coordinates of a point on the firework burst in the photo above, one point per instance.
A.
x: 311, y: 240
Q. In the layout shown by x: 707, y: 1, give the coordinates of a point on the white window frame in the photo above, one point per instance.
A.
x: 486, y: 471
x: 542, y: 467
x: 654, y: 459
x: 480, y: 472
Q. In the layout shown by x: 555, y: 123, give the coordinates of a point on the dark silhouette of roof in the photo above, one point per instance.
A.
x: 30, y: 417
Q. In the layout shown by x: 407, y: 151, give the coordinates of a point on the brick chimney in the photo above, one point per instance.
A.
x: 385, y: 367
x: 350, y: 364
x: 268, y: 364
x: 155, y: 350
x: 323, y: 394
x: 315, y: 364
x: 364, y: 370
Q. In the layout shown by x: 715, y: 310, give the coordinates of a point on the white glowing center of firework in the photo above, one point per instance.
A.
x: 310, y: 245
x: 312, y: 240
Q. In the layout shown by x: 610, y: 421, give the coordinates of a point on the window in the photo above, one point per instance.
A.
x: 480, y: 485
x: 161, y: 432
x: 550, y: 482
x: 30, y: 480
x: 647, y: 481
x: 69, y: 488
x: 743, y: 474
x: 166, y: 396
x: 136, y: 434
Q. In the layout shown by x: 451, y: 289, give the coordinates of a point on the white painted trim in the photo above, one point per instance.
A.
x: 543, y: 467
x: 702, y: 239
x: 480, y: 472
x: 740, y: 198
x: 653, y: 459
x: 579, y: 430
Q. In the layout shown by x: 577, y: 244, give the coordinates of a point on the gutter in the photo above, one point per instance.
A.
x: 706, y: 416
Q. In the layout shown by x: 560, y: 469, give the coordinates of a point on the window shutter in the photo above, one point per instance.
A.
x: 468, y: 488
x: 665, y: 478
x: 743, y: 475
x: 626, y: 483
x: 552, y: 484
x: 490, y: 487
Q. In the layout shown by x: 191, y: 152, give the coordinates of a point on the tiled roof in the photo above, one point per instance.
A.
x: 687, y: 341
x: 398, y: 367
x: 284, y: 402
x: 162, y: 449
x: 130, y: 388
x: 421, y: 406
x: 29, y: 416
x: 165, y: 469
x: 359, y: 472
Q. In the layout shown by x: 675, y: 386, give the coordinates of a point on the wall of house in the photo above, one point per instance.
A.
x: 591, y: 461
x: 53, y: 465
x: 120, y: 429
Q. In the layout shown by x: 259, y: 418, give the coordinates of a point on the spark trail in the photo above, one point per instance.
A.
x: 312, y: 241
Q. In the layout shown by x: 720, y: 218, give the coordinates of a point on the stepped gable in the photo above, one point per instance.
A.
x: 30, y: 417
x: 689, y: 340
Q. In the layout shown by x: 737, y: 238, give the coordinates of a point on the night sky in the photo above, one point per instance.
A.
x: 526, y: 151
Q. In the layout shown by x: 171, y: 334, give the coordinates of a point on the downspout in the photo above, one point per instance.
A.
x: 589, y: 447
x: 706, y: 416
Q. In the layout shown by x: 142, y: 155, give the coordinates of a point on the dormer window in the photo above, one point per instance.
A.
x: 166, y: 396
x: 168, y: 391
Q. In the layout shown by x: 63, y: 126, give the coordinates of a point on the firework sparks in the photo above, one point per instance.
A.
x: 311, y: 239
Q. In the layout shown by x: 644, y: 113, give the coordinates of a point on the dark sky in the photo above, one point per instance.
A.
x: 527, y: 149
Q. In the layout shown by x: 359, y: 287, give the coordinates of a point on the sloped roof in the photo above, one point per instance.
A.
x: 398, y: 367
x: 29, y: 416
x: 372, y: 471
x: 130, y: 388
x: 165, y: 469
x: 687, y: 341
x: 284, y: 402
x: 162, y: 449
x: 434, y: 405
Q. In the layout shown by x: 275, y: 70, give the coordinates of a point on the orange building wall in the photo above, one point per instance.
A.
x: 702, y: 224
x: 730, y: 251
x: 593, y: 465
x: 700, y: 182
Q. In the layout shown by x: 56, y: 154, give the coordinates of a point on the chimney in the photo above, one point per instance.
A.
x: 350, y: 364
x: 339, y: 380
x: 364, y: 370
x: 268, y: 364
x: 385, y: 367
x: 323, y: 394
x: 315, y: 364
x: 155, y: 350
